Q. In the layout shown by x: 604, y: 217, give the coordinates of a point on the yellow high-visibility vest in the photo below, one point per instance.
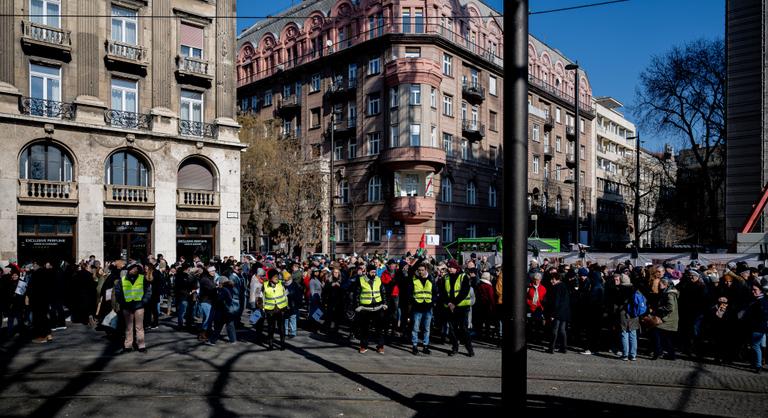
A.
x: 422, y: 293
x: 133, y: 292
x: 369, y: 295
x: 275, y: 297
x: 456, y: 288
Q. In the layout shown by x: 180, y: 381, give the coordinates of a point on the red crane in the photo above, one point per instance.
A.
x: 757, y: 209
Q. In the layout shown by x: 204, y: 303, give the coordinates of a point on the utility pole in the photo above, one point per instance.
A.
x: 515, y: 209
x: 332, y: 179
x: 576, y: 156
x: 636, y: 211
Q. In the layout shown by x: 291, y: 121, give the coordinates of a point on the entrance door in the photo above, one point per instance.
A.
x: 129, y: 239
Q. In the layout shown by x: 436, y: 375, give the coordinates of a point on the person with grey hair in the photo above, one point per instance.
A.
x: 666, y: 309
x: 534, y: 298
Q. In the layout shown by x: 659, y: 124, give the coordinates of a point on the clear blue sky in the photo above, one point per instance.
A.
x: 613, y: 43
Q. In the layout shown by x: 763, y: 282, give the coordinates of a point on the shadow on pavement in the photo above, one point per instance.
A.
x: 547, y: 405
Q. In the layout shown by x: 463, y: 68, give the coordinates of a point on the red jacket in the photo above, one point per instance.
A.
x: 486, y: 301
x: 386, y: 279
x: 538, y: 306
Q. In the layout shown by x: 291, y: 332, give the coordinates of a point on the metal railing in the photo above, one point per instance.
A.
x: 473, y: 89
x: 193, y: 65
x: 201, y: 129
x: 586, y: 107
x: 197, y: 198
x: 127, y: 51
x: 45, y: 190
x: 290, y: 101
x: 47, y: 34
x: 47, y: 108
x: 129, y: 195
x: 471, y: 125
x: 131, y: 120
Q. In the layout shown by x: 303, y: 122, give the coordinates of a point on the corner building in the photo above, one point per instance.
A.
x: 416, y: 89
x: 118, y: 130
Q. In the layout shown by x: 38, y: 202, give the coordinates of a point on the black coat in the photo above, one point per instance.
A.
x: 558, y: 302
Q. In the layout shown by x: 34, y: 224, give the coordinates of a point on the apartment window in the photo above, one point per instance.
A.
x: 352, y: 148
x: 492, y: 196
x: 394, y: 136
x: 582, y: 177
x: 394, y: 99
x: 418, y: 20
x: 374, y: 143
x: 344, y: 191
x: 492, y: 85
x: 374, y: 104
x: 582, y: 152
x: 287, y: 128
x: 433, y: 136
x: 415, y: 96
x: 45, y: 12
x: 464, y: 149
x: 446, y: 190
x: 570, y: 206
x: 125, y: 95
x: 447, y: 233
x: 582, y: 205
x: 471, y: 193
x: 268, y: 98
x: 493, y: 155
x: 191, y: 106
x: 535, y: 135
x: 582, y: 124
x: 406, y: 20
x: 415, y: 135
x: 44, y: 84
x: 191, y: 41
x: 351, y: 113
x: 286, y: 90
x: 557, y: 114
x: 447, y: 64
x: 472, y: 231
x: 412, y: 52
x: 558, y: 204
x: 433, y: 97
x: 374, y: 66
x: 546, y: 169
x: 373, y: 231
x: 493, y: 120
x: 474, y: 77
x: 314, y: 117
x: 535, y: 168
x: 124, y: 25
x: 374, y: 189
x: 558, y: 142
x: 342, y: 231
x: 314, y: 85
x: 447, y: 105
x: 352, y: 74
x: 338, y: 152
x: 448, y: 144
x: 558, y: 170
x: 45, y: 162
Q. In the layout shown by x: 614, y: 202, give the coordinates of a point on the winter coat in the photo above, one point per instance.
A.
x: 295, y: 296
x: 668, y: 310
x: 485, y: 305
x: 757, y: 315
x: 529, y: 297
x: 558, y: 303
x: 388, y: 280
x: 624, y: 297
x: 499, y: 289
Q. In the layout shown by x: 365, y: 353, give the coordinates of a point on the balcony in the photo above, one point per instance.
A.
x: 570, y: 160
x: 472, y: 129
x: 585, y: 107
x: 47, y: 108
x: 413, y: 209
x: 570, y: 133
x: 345, y: 128
x: 127, y: 55
x: 549, y: 123
x: 199, y: 129
x: 197, y: 199
x: 413, y: 70
x: 473, y: 92
x: 44, y: 191
x: 288, y: 106
x: 46, y: 38
x: 413, y: 158
x: 130, y: 120
x: 341, y: 90
x: 548, y: 154
x: 118, y: 195
x: 194, y: 70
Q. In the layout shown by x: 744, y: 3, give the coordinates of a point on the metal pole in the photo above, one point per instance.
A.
x: 637, y: 192
x: 515, y: 208
x: 332, y: 227
x: 577, y: 157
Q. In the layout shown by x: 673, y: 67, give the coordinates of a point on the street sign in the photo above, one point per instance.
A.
x: 433, y: 239
x: 389, y: 233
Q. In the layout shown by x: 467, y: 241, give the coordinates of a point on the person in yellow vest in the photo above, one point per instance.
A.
x: 133, y: 292
x: 275, y: 306
x: 457, y: 303
x: 423, y: 295
x: 371, y: 299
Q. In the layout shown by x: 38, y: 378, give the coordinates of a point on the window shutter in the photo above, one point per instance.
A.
x: 192, y: 36
x: 195, y: 176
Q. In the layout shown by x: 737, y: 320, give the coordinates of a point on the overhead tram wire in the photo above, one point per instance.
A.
x: 582, y: 6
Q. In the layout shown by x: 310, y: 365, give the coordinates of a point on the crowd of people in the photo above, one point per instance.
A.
x: 697, y: 310
x: 369, y: 299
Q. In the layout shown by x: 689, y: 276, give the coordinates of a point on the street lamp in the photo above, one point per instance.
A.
x: 331, y: 214
x: 636, y: 211
x: 576, y: 157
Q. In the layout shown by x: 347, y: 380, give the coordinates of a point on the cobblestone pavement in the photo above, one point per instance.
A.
x: 79, y: 374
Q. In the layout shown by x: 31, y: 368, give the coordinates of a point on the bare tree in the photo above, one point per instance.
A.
x: 280, y: 189
x: 682, y: 95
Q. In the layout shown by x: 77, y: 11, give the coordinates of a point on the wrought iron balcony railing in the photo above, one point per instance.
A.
x: 123, y: 119
x: 201, y: 129
x: 47, y: 108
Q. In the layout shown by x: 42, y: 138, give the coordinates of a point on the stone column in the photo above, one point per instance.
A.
x: 224, y: 59
x: 228, y: 229
x: 90, y: 209
x: 164, y: 226
x: 8, y: 42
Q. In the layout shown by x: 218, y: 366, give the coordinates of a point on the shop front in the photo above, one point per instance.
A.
x: 45, y: 239
x: 127, y: 238
x: 195, y: 238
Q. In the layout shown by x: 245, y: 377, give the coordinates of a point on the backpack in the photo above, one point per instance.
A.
x: 638, y: 306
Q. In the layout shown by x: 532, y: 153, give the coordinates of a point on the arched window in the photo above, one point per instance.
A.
x: 544, y: 201
x: 195, y: 174
x: 374, y: 189
x: 344, y: 192
x: 558, y: 205
x: 446, y: 190
x: 126, y: 169
x: 570, y: 206
x: 530, y: 202
x: 492, y: 197
x: 582, y: 206
x: 45, y: 162
x: 471, y: 193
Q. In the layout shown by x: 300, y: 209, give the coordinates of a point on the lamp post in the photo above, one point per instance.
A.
x: 331, y: 214
x: 636, y: 211
x: 576, y: 157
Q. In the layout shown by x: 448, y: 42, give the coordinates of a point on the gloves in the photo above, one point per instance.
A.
x: 385, y: 307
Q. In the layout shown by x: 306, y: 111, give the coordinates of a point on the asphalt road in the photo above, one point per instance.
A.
x: 78, y: 374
